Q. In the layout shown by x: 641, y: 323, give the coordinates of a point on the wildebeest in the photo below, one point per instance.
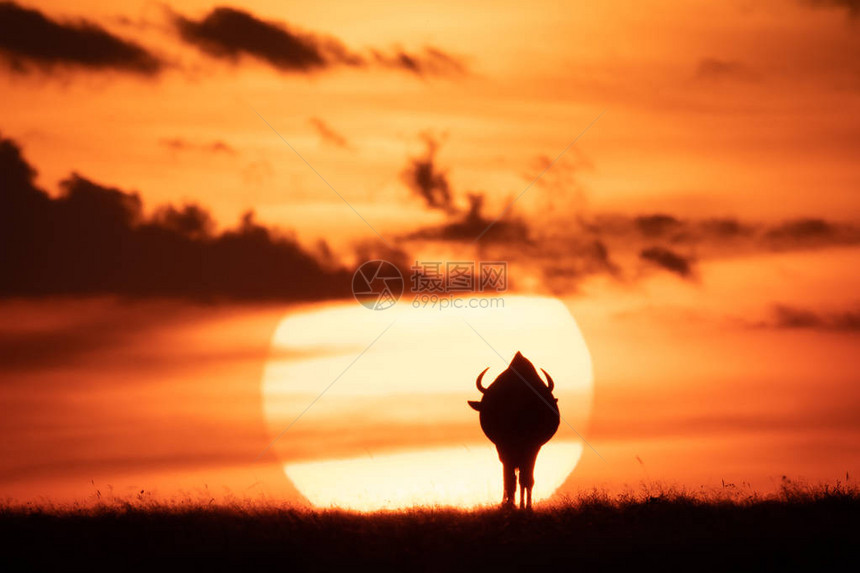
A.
x: 519, y: 414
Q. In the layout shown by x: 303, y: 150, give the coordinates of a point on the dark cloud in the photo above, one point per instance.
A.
x: 328, y: 134
x: 570, y: 248
x: 658, y: 225
x: 709, y: 69
x: 431, y: 61
x: 793, y: 234
x: 566, y: 265
x: 724, y: 229
x: 802, y: 230
x: 468, y: 226
x: 230, y: 33
x: 852, y: 6
x: 427, y: 181
x: 719, y: 236
x: 790, y: 317
x: 93, y: 239
x: 809, y: 233
x: 29, y: 38
x: 598, y: 260
x: 658, y: 237
x: 191, y: 221
x: 180, y: 144
x: 668, y: 260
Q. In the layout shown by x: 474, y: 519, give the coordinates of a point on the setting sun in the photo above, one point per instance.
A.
x: 375, y: 436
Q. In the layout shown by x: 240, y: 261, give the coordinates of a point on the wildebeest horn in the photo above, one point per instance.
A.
x: 478, y: 381
x: 550, y: 384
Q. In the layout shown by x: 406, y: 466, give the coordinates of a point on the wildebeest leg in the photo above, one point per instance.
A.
x: 522, y: 492
x: 510, y: 483
x: 527, y: 478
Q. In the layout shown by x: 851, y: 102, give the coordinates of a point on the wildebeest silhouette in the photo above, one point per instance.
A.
x: 519, y: 414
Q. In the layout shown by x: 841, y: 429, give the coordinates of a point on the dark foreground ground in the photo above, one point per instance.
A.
x: 811, y: 530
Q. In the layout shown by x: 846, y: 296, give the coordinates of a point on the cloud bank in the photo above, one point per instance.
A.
x: 851, y: 6
x: 429, y: 182
x: 30, y: 39
x: 230, y: 33
x: 792, y: 317
x: 93, y: 239
x: 568, y: 246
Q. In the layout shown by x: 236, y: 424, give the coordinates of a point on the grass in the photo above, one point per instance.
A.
x: 814, y: 527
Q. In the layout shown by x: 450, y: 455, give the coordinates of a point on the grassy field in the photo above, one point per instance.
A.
x: 814, y: 528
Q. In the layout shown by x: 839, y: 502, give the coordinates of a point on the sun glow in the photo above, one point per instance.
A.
x: 370, y: 406
x: 465, y: 476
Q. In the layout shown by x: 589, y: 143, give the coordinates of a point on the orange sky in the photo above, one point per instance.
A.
x: 724, y: 354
